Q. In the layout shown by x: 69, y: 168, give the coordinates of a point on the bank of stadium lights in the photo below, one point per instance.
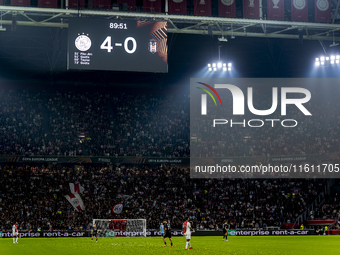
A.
x: 219, y: 66
x: 326, y: 61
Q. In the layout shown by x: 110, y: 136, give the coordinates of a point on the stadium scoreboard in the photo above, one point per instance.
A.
x: 117, y: 45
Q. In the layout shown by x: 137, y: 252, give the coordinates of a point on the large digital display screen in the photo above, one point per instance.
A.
x: 117, y: 45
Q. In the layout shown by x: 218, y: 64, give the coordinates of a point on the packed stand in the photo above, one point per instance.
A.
x: 72, y: 123
x: 77, y: 123
x: 315, y: 134
x: 330, y: 208
x: 147, y: 125
x: 21, y: 122
x: 34, y: 197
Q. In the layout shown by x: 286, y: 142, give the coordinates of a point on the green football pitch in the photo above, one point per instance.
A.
x: 154, y: 245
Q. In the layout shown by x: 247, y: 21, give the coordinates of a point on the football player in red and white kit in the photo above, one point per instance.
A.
x: 15, y: 232
x: 186, y: 232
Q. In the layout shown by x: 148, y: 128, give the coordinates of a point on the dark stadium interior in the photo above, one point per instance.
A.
x: 47, y: 110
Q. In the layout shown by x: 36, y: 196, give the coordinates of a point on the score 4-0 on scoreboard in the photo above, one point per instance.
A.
x: 117, y: 45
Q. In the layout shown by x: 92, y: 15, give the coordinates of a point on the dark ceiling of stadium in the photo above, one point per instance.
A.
x: 33, y: 55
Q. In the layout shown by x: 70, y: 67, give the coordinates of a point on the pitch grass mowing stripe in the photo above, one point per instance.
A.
x: 154, y: 245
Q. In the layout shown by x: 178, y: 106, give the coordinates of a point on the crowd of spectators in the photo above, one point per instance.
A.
x: 71, y: 123
x: 34, y: 197
x: 330, y: 209
x: 21, y: 122
x: 317, y: 133
x: 101, y: 124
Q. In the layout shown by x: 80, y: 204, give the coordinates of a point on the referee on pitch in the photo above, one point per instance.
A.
x: 94, y: 232
x: 167, y: 228
x: 225, y: 230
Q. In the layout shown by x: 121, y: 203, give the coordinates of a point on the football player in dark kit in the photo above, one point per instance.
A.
x: 167, y: 228
x: 94, y: 232
x: 225, y: 230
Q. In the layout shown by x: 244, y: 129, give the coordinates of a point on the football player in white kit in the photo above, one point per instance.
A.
x: 186, y: 232
x: 15, y: 232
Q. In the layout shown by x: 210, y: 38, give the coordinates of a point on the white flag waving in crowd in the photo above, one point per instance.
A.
x: 76, y: 201
x: 117, y: 208
x: 76, y: 188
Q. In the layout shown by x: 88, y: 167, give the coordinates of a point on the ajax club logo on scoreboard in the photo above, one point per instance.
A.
x: 83, y: 42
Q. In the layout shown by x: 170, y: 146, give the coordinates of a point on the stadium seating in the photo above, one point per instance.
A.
x: 47, y: 124
x: 140, y: 125
x: 126, y: 124
x: 330, y: 209
x: 34, y: 196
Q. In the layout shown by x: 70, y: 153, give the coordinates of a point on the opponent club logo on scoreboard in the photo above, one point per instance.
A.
x: 153, y: 46
x: 83, y: 42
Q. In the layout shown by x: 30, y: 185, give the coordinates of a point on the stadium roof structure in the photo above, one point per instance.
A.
x: 183, y: 24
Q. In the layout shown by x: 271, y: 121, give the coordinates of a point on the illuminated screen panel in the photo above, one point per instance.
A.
x: 117, y: 45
